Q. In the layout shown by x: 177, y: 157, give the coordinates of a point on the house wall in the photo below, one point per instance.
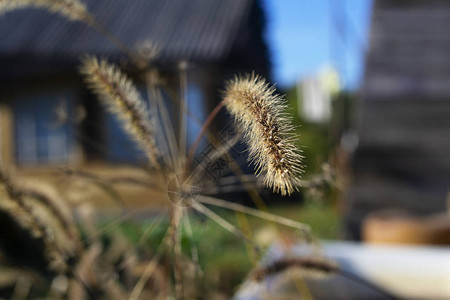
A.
x: 402, y: 160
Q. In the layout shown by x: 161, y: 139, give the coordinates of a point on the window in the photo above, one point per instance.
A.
x: 41, y: 136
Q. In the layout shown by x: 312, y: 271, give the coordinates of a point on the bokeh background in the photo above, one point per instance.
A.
x: 367, y: 83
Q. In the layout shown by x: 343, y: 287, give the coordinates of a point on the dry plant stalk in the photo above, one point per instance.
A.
x: 71, y: 9
x: 121, y: 97
x: 259, y: 112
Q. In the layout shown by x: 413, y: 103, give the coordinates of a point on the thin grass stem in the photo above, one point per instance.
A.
x: 216, y: 154
x: 153, y: 108
x: 146, y: 234
x: 148, y: 271
x: 204, y: 128
x: 135, y: 56
x: 179, y: 282
x: 255, y: 212
x: 168, y: 129
x: 223, y: 223
x: 117, y: 222
x: 190, y: 235
x: 182, y: 132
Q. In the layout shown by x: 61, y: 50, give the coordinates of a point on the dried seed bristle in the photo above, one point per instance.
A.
x: 268, y: 131
x: 71, y: 9
x: 121, y: 97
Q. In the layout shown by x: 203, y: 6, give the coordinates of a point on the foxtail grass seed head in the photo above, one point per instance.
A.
x: 121, y: 97
x: 71, y: 9
x: 29, y: 218
x: 268, y: 131
x: 313, y: 268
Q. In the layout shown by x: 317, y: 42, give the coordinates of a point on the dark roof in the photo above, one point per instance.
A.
x: 409, y: 50
x: 197, y: 30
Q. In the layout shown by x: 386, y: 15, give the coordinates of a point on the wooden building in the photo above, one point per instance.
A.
x: 403, y: 157
x: 39, y: 56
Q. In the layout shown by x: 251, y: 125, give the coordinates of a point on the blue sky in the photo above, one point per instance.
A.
x: 304, y: 35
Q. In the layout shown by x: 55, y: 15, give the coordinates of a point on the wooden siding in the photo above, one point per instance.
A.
x: 409, y: 46
x: 403, y: 156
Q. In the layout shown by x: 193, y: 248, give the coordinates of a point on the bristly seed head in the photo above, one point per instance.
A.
x: 121, y: 97
x: 311, y: 267
x: 268, y: 131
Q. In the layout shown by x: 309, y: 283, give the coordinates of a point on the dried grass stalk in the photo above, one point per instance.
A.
x: 71, y: 9
x: 121, y: 97
x: 268, y: 132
